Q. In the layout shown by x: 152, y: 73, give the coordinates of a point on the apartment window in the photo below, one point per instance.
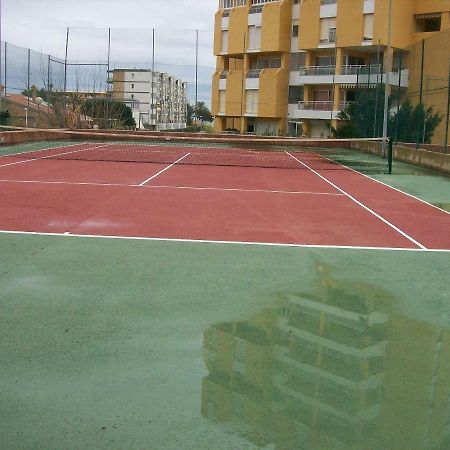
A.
x: 255, y: 10
x: 132, y: 85
x: 222, y: 97
x: 254, y: 37
x: 224, y: 41
x: 296, y: 94
x: 252, y: 97
x: 326, y: 60
x: 294, y: 30
x: 427, y: 23
x: 266, y: 63
x: 328, y: 2
x: 328, y: 30
x: 297, y: 60
x: 368, y: 27
x: 132, y: 75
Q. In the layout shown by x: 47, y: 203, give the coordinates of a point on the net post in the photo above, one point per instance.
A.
x: 390, y: 155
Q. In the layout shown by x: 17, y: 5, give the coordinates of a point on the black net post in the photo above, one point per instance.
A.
x: 390, y: 154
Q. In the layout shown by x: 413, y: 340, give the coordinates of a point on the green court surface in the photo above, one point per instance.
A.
x: 126, y: 344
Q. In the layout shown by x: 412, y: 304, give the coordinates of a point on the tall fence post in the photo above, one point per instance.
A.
x: 108, y: 99
x: 196, y: 71
x: 28, y: 88
x: 65, y: 77
x: 447, y: 122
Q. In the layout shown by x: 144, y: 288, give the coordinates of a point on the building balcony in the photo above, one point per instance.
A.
x: 348, y: 75
x: 315, y: 110
x: 314, y: 75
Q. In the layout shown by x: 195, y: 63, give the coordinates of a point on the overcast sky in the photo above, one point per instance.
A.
x: 41, y: 26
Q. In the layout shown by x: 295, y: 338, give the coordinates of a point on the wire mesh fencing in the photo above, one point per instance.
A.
x: 154, y: 72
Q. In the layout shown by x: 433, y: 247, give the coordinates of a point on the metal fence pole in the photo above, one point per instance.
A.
x: 28, y: 86
x: 398, y: 95
x: 1, y: 121
x: 196, y: 70
x: 387, y: 87
x: 108, y: 98
x: 421, y: 86
x: 153, y: 108
x: 447, y: 122
x: 65, y: 77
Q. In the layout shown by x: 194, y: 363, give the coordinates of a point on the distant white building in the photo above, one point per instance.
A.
x: 158, y: 100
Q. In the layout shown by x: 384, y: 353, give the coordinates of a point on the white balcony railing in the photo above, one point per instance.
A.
x: 325, y: 105
x: 253, y: 73
x: 361, y: 69
x: 228, y: 4
x: 317, y: 70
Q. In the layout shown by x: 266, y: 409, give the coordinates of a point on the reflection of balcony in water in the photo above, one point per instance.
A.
x: 319, y: 372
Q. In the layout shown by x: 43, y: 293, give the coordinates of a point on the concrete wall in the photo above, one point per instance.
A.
x: 423, y: 158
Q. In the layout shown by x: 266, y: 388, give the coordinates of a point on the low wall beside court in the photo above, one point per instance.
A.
x: 423, y: 158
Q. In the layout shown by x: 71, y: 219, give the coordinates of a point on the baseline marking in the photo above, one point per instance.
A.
x: 163, y: 170
x: 52, y: 156
x: 362, y: 205
x: 203, y: 241
x: 195, y: 188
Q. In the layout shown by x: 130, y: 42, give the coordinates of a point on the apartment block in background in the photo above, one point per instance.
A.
x: 290, y: 66
x: 158, y: 100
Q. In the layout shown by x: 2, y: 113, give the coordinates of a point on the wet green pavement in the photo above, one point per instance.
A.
x: 117, y: 344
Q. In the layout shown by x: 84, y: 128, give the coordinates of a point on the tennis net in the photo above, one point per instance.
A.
x: 363, y: 155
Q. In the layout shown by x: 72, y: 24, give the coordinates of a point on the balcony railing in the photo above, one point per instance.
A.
x: 361, y: 69
x: 317, y: 70
x: 325, y: 105
x: 228, y: 4
x: 253, y: 73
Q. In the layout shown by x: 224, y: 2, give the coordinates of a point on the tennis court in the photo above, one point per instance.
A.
x: 188, y: 294
x: 206, y: 193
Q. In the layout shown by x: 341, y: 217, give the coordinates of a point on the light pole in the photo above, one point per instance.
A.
x: 386, y: 91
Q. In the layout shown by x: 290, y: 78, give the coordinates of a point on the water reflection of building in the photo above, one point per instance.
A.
x: 328, y: 371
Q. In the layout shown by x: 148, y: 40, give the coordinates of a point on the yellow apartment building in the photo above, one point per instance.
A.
x: 290, y: 66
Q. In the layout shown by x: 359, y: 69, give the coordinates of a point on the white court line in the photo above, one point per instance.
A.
x: 361, y: 204
x: 268, y: 191
x: 161, y: 171
x: 195, y: 188
x: 391, y: 187
x: 52, y: 156
x: 204, y: 241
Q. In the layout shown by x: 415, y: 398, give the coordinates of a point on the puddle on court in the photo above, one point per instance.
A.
x: 333, y: 367
x: 158, y: 345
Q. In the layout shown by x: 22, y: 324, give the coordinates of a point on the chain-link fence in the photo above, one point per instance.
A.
x: 171, y: 67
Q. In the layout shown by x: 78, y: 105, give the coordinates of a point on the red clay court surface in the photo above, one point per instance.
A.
x: 214, y: 203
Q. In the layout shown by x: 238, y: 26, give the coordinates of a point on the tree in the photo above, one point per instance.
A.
x: 415, y: 124
x: 364, y: 118
x: 109, y: 113
x: 4, y: 117
x: 200, y: 112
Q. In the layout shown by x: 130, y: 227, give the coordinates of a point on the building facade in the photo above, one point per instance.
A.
x: 158, y: 100
x: 290, y: 66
